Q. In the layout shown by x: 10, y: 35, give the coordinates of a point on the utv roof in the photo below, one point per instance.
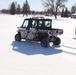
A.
x: 38, y: 18
x: 41, y: 18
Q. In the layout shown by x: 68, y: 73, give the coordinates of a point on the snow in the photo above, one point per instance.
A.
x: 29, y: 58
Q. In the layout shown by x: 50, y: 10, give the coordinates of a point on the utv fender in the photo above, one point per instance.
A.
x: 18, y: 37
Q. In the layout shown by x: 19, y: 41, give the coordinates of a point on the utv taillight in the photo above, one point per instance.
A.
x: 61, y: 32
x: 49, y: 32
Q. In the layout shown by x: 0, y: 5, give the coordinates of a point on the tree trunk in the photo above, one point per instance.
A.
x: 75, y: 30
x: 56, y: 13
x: 23, y: 15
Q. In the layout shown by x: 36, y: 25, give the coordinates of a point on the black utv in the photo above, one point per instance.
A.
x: 39, y: 29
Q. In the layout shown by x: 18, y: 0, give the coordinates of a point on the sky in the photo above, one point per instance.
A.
x: 34, y: 4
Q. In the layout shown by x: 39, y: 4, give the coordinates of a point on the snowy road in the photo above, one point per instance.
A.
x: 28, y: 58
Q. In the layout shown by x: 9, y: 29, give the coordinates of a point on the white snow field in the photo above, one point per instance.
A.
x: 29, y: 58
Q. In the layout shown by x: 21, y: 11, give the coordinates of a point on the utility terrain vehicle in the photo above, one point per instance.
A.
x: 40, y: 30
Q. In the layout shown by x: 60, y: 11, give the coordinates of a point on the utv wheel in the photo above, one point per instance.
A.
x: 57, y: 41
x: 17, y: 37
x: 44, y: 43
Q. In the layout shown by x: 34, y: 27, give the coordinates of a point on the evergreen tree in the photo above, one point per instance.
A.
x: 12, y: 8
x: 66, y: 13
x: 62, y: 13
x: 18, y: 9
x: 73, y: 9
x: 26, y: 8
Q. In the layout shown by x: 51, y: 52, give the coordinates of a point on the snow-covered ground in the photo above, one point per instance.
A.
x: 28, y: 58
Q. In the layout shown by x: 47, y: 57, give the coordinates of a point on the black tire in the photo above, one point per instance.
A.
x: 57, y: 41
x: 17, y: 37
x: 44, y: 43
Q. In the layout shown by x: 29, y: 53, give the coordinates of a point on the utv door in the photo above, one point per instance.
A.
x: 24, y: 29
x: 32, y: 30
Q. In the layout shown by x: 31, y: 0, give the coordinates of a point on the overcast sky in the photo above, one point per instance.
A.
x: 34, y: 4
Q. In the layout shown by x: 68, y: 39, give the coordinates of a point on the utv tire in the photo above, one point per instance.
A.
x: 17, y: 37
x: 57, y: 41
x: 44, y: 43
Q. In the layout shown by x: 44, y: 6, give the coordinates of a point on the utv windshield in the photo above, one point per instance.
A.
x: 25, y: 24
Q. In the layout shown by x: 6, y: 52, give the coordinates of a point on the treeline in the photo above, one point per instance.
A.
x: 53, y: 9
x: 6, y: 11
x: 17, y: 9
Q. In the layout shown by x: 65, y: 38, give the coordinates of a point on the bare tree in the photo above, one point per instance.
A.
x: 54, y: 5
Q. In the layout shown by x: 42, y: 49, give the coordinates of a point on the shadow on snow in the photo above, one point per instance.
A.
x: 32, y: 48
x: 74, y: 38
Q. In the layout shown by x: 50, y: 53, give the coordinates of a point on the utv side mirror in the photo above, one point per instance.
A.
x: 17, y: 27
